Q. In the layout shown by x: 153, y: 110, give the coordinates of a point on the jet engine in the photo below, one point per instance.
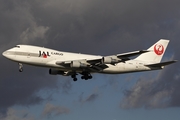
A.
x: 78, y: 64
x: 110, y: 60
x: 55, y: 72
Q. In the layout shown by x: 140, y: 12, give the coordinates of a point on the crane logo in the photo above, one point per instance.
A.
x: 159, y: 49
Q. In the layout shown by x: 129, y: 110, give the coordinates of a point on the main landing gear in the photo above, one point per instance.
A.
x: 74, y: 77
x: 85, y: 76
x: 20, y: 67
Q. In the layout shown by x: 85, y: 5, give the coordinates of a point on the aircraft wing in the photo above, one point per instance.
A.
x: 113, y: 59
x: 92, y: 65
x: 98, y: 64
x: 131, y: 54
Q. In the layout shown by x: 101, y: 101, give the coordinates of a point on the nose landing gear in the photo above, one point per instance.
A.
x: 20, y: 67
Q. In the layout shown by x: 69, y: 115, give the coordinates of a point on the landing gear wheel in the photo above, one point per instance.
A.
x: 20, y: 67
x: 21, y: 70
x: 75, y: 79
x: 82, y: 77
x: 73, y: 76
x: 89, y: 77
x: 86, y: 76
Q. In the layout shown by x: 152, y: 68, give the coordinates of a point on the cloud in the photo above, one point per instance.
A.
x: 80, y: 25
x: 13, y: 114
x: 158, y: 92
x: 51, y: 109
x: 21, y: 26
x: 90, y: 98
x: 35, y: 32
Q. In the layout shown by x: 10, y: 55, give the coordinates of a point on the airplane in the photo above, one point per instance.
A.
x: 72, y: 64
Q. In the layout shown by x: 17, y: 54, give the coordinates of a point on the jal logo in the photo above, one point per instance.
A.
x: 159, y: 49
x: 43, y: 54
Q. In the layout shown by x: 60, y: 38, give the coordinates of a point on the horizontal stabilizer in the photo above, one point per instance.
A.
x: 161, y: 64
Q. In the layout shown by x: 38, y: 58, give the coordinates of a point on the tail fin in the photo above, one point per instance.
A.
x: 156, y: 52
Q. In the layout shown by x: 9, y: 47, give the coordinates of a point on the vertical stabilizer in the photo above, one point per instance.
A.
x: 156, y: 52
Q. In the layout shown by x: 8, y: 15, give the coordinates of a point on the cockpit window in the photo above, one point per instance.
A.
x: 17, y: 46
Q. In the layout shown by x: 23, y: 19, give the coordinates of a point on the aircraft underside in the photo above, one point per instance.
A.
x: 86, y: 72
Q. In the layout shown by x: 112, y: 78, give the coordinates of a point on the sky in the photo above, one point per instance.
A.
x: 100, y: 27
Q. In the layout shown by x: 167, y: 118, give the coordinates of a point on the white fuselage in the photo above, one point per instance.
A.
x: 44, y: 57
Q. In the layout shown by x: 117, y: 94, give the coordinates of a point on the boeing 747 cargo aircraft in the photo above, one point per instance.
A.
x: 71, y: 64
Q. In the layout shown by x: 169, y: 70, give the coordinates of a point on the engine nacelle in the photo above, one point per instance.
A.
x: 78, y: 64
x: 55, y: 72
x: 110, y: 60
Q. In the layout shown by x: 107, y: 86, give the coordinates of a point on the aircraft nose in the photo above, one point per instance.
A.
x: 4, y: 53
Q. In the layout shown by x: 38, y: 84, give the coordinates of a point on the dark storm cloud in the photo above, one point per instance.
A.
x: 79, y: 25
x: 19, y: 25
x: 119, y: 23
x: 160, y: 92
